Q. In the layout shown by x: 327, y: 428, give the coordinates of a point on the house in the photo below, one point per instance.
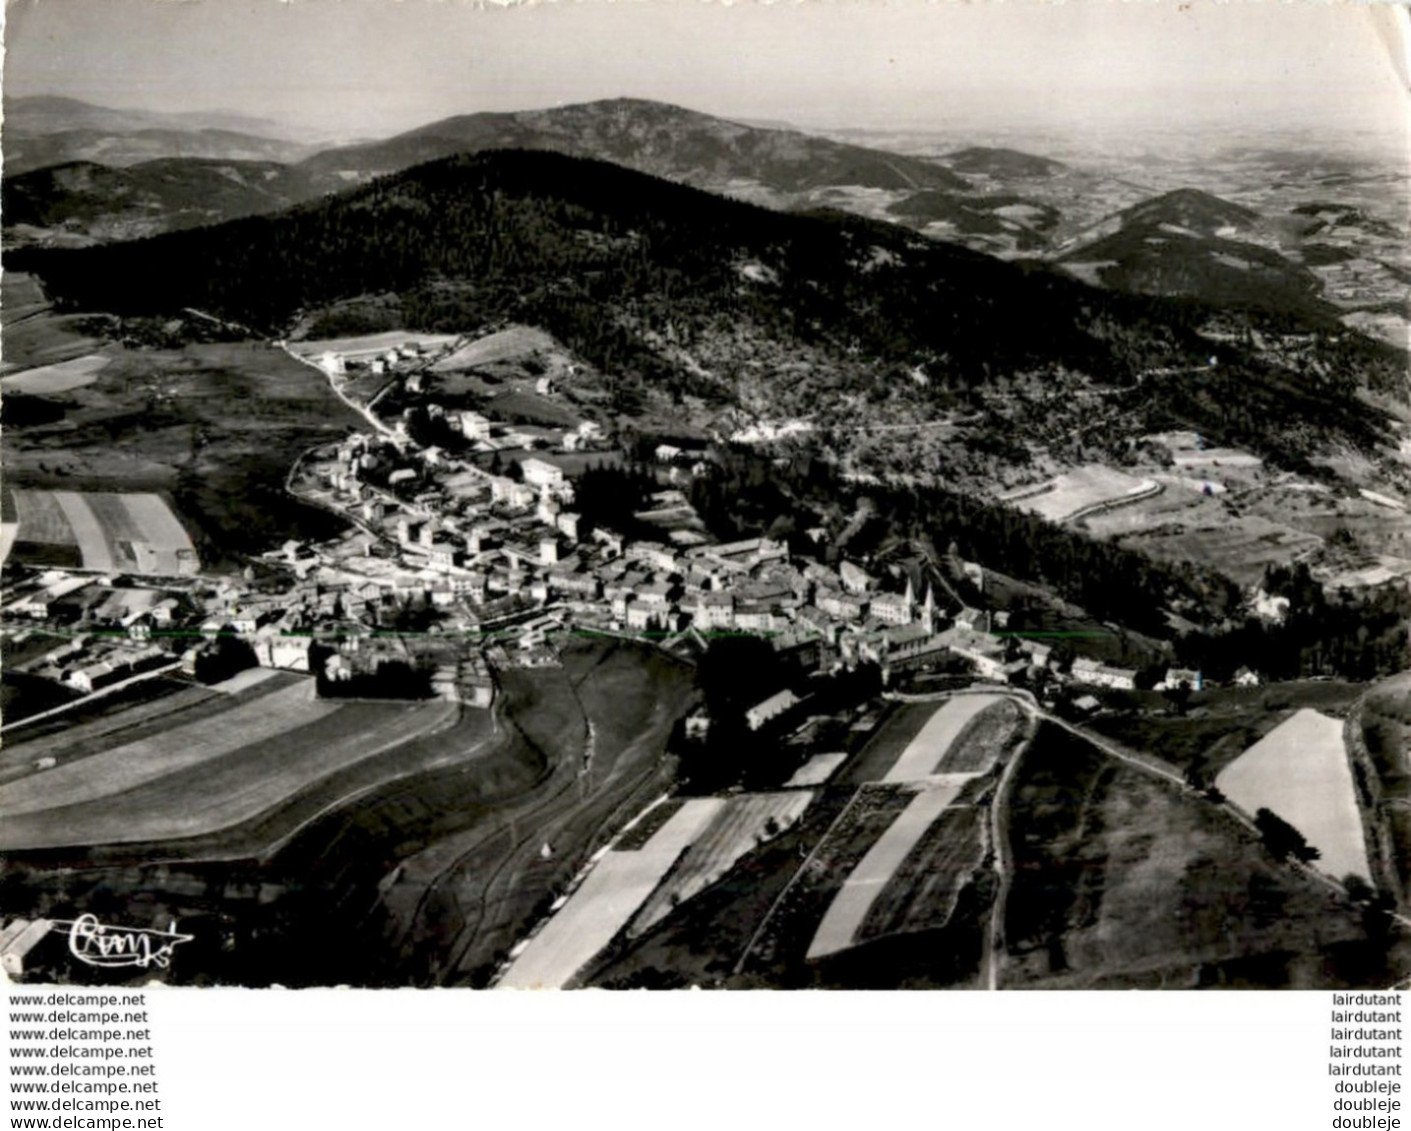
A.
x: 645, y: 618
x: 289, y: 652
x: 843, y: 606
x: 1100, y: 675
x: 714, y: 610
x: 538, y: 473
x: 657, y: 594
x: 1180, y: 677
x: 756, y: 618
x: 666, y: 453
x: 771, y: 708
x: 569, y: 525
x: 985, y: 653
x: 474, y: 426
x: 1247, y: 677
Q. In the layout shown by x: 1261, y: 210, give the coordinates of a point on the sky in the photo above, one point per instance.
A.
x: 368, y: 68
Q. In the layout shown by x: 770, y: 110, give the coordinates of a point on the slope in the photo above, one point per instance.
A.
x: 125, y: 203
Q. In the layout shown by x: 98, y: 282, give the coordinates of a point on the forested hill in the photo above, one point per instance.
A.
x: 539, y: 235
x: 637, y: 274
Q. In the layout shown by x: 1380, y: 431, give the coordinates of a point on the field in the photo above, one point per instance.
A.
x: 512, y: 346
x: 34, y: 335
x: 792, y: 929
x: 816, y: 770
x: 234, y: 785
x: 925, y: 753
x: 478, y: 880
x: 370, y: 343
x: 132, y: 533
x: 1300, y: 771
x: 745, y: 823
x: 118, y: 769
x: 602, y: 906
x: 1082, y: 489
x: 1384, y: 728
x: 1218, y: 725
x: 59, y: 378
x: 925, y: 887
x: 850, y: 907
x: 1121, y: 880
x: 213, y: 429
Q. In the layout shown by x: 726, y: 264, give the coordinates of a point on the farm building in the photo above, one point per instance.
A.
x: 771, y: 708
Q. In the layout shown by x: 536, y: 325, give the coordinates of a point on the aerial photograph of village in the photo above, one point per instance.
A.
x: 688, y: 495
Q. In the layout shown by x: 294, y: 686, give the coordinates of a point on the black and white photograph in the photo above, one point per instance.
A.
x: 665, y: 495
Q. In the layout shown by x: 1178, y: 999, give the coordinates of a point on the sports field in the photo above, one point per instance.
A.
x: 1300, y: 771
x: 608, y: 897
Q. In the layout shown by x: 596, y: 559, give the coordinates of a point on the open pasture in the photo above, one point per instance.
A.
x: 1123, y: 880
x: 746, y: 822
x: 1300, y: 771
x: 513, y: 345
x: 370, y: 343
x: 59, y: 378
x: 927, y: 752
x: 605, y: 901
x: 1084, y: 488
x: 850, y: 906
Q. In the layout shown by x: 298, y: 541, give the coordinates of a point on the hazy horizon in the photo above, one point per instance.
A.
x: 1104, y: 73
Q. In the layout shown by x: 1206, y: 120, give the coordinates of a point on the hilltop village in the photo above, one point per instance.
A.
x: 451, y: 570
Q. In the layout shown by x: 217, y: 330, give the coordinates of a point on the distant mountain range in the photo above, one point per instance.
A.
x: 106, y: 203
x: 46, y: 130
